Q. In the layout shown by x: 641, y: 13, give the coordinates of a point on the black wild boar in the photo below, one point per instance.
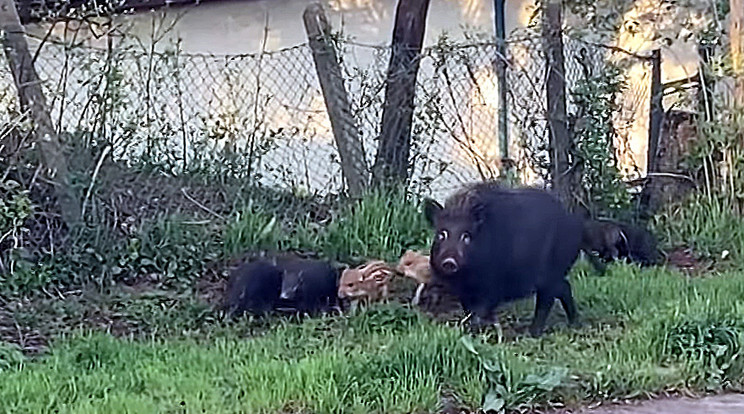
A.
x: 494, y: 245
x: 253, y: 287
x: 308, y: 285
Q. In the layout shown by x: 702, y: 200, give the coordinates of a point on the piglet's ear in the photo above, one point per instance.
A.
x: 431, y: 210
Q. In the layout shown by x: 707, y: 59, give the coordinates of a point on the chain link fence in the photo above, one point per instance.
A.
x: 262, y: 117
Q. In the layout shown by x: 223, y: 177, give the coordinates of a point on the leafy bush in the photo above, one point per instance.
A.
x: 594, y: 137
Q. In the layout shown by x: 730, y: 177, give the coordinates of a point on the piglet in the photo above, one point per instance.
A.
x: 253, y: 287
x: 369, y: 281
x: 416, y: 266
x: 308, y: 285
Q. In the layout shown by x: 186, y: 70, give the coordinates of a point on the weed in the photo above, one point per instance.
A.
x: 11, y: 357
x: 172, y: 250
x: 251, y: 228
x: 382, y: 224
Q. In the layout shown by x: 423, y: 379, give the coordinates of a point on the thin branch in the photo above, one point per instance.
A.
x: 93, y: 179
x: 200, y: 205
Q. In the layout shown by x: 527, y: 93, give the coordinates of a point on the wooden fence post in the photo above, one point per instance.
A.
x: 655, y: 118
x: 560, y: 141
x: 656, y: 111
x: 350, y: 149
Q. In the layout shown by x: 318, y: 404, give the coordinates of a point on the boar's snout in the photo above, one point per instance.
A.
x: 449, y: 265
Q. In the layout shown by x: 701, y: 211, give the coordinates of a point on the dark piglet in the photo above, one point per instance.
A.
x: 308, y: 286
x: 641, y: 247
x: 602, y: 242
x: 495, y: 245
x: 614, y: 240
x: 253, y: 287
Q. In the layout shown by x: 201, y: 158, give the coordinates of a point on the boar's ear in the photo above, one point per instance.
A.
x: 431, y: 210
x: 478, y: 213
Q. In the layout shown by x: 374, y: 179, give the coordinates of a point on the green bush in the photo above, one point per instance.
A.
x: 173, y: 249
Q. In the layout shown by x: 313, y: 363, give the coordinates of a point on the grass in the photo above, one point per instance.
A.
x: 167, y: 350
x: 646, y: 331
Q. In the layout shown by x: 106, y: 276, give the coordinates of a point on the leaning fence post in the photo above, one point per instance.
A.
x: 353, y: 164
x: 498, y: 10
x: 560, y: 141
x: 656, y: 111
x: 655, y: 117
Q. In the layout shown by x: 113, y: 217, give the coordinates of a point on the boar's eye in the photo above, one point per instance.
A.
x: 465, y: 238
x: 442, y: 235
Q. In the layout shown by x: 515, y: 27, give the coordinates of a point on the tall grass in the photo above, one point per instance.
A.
x: 708, y: 224
x: 382, y: 224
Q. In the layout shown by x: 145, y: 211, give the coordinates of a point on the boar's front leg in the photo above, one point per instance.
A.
x: 481, y: 318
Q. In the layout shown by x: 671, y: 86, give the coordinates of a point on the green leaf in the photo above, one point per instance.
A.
x: 493, y: 402
x: 467, y: 341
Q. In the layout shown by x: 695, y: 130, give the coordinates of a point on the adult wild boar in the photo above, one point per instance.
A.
x: 495, y: 245
x: 253, y: 287
x: 308, y: 285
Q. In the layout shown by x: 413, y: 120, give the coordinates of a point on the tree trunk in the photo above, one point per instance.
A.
x: 32, y: 100
x: 351, y: 152
x: 560, y: 141
x: 391, y: 162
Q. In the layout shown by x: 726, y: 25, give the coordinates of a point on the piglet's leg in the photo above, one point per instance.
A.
x: 417, y: 295
x: 385, y: 291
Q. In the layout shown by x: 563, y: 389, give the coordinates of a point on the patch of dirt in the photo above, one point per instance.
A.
x: 714, y: 404
x: 685, y: 259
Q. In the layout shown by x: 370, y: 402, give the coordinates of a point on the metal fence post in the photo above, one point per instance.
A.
x: 503, y: 131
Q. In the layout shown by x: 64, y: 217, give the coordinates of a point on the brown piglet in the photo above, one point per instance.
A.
x: 369, y: 281
x: 416, y: 266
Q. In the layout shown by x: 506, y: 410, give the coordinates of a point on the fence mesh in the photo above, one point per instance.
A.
x: 262, y: 117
